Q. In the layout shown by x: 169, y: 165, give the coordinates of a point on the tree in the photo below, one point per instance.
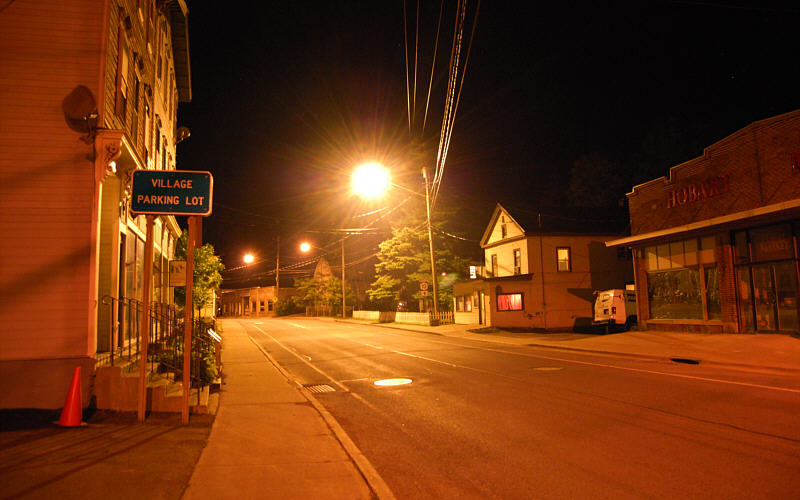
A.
x: 404, y: 261
x: 207, y: 273
x: 323, y: 289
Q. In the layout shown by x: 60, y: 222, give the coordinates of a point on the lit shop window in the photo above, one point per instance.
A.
x: 509, y: 302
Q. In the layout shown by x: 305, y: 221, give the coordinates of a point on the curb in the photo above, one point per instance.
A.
x: 374, y: 481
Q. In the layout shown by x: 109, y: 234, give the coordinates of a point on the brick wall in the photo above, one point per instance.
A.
x: 748, y: 169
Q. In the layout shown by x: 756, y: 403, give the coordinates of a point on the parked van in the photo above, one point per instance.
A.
x: 615, y: 308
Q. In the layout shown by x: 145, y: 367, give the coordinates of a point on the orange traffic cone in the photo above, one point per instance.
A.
x: 73, y: 409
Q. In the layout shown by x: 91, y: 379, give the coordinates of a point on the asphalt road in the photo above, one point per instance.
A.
x: 481, y: 420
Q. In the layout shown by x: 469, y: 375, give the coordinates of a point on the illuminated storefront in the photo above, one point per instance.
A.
x: 716, y: 244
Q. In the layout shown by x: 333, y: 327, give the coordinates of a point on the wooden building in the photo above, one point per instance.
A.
x: 542, y: 268
x: 89, y: 93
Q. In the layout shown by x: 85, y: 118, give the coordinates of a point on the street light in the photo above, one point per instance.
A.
x: 370, y: 181
x: 248, y: 258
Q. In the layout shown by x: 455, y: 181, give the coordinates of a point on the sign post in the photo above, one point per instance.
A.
x: 144, y: 321
x: 170, y: 192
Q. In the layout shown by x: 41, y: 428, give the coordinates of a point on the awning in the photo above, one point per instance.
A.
x: 761, y: 214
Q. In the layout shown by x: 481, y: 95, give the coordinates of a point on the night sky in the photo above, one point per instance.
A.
x: 289, y: 96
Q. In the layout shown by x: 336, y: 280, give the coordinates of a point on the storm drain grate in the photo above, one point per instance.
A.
x: 319, y: 388
x: 685, y: 361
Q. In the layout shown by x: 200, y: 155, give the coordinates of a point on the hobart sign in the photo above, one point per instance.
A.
x: 171, y: 192
x: 690, y: 193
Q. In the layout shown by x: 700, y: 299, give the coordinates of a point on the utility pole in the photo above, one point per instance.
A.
x: 344, y: 298
x: 430, y: 242
x: 277, y: 269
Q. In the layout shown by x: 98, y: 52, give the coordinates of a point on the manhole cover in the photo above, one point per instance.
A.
x: 319, y: 388
x: 392, y: 381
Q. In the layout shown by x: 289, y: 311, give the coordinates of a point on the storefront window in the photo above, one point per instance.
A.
x: 675, y: 294
x: 712, y: 293
x: 675, y: 284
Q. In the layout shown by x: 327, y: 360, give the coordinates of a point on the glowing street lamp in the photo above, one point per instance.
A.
x: 305, y: 247
x: 248, y: 258
x: 372, y: 180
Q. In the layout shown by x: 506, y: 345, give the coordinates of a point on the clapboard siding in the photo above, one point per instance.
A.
x: 48, y: 48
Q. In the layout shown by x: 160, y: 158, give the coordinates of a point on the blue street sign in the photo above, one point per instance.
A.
x: 171, y: 192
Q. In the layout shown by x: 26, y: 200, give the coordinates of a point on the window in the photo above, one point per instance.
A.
x: 563, y: 259
x: 261, y: 306
x: 147, y: 143
x: 517, y: 261
x: 503, y: 230
x: 135, y: 111
x: 682, y: 280
x: 509, y: 302
x: 494, y: 265
x: 121, y: 102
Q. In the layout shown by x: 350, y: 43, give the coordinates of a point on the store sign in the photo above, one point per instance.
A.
x: 171, y: 192
x: 177, y: 273
x: 713, y: 186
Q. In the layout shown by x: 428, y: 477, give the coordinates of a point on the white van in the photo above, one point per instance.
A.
x: 615, y: 308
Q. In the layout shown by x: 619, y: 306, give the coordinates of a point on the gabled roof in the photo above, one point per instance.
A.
x: 561, y: 220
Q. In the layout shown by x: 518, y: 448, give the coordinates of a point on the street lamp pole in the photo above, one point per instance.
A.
x: 344, y: 296
x: 430, y: 241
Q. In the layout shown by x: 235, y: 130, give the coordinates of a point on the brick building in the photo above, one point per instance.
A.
x: 88, y: 93
x: 716, y: 243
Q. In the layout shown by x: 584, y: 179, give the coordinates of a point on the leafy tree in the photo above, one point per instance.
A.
x: 404, y: 261
x: 598, y: 180
x: 207, y: 269
x: 325, y: 291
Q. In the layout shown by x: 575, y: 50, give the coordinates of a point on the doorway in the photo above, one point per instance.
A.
x: 768, y: 296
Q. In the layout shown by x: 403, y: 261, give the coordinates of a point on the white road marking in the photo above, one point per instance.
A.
x: 298, y: 326
x: 603, y: 365
x: 298, y: 356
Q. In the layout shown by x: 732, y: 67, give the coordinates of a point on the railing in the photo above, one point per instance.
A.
x: 166, y: 339
x: 441, y: 318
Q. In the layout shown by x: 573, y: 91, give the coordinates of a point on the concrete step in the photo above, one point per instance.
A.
x: 116, y: 388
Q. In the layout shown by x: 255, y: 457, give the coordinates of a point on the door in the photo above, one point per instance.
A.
x: 774, y: 304
x: 764, y: 299
x: 786, y: 295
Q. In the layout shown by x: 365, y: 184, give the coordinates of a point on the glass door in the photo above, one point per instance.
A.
x: 786, y: 296
x: 764, y: 298
x: 773, y: 305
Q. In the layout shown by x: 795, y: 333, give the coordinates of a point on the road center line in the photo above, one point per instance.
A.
x: 300, y: 357
x: 602, y: 365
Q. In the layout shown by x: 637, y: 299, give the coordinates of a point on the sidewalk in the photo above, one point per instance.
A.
x: 270, y: 441
x: 756, y: 352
